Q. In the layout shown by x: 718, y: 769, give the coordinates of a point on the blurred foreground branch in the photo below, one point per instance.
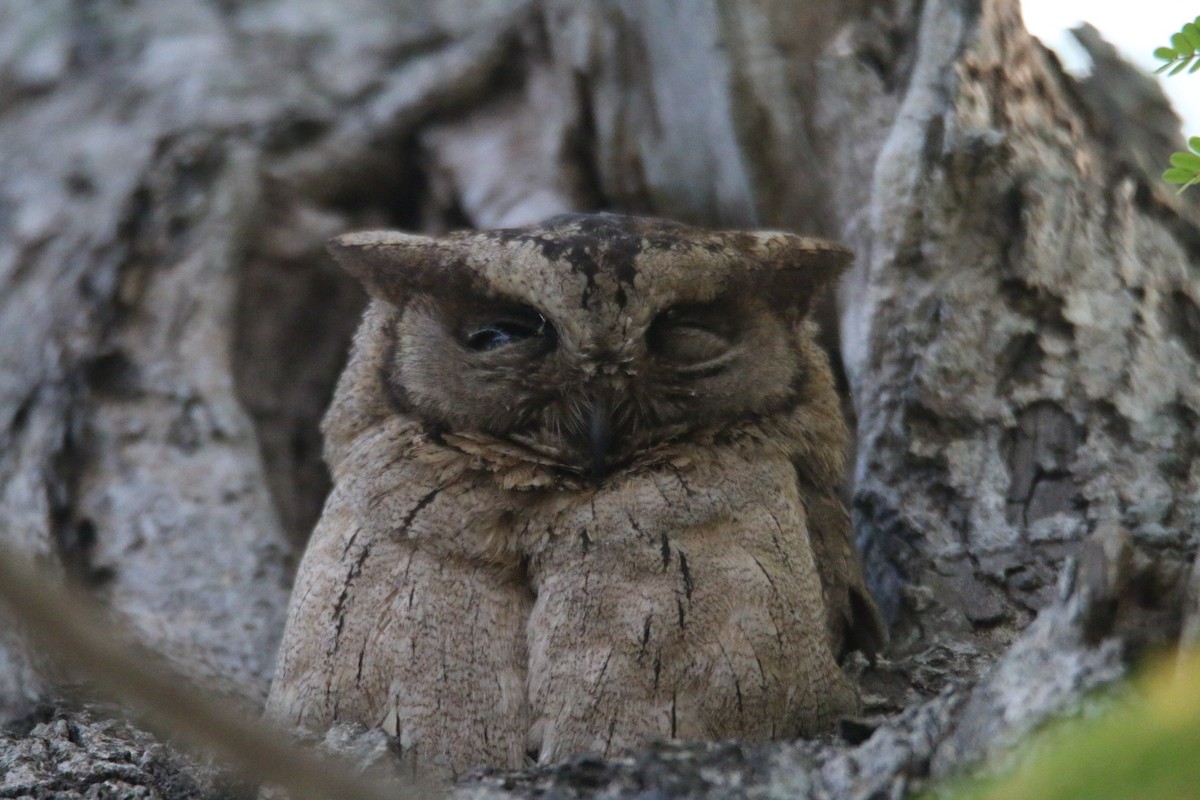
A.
x: 68, y: 628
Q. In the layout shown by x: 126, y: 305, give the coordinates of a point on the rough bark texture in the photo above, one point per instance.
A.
x: 86, y: 753
x: 1029, y: 373
x: 1021, y: 332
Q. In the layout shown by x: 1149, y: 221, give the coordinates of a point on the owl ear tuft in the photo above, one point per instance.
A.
x: 392, y: 265
x: 793, y: 269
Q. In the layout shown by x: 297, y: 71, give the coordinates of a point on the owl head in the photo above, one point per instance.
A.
x: 591, y: 339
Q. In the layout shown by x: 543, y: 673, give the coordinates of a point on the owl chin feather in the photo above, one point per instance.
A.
x: 585, y: 494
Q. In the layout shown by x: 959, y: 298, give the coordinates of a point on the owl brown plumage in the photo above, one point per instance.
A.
x: 584, y: 495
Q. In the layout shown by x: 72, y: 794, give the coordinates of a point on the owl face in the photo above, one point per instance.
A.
x: 592, y: 338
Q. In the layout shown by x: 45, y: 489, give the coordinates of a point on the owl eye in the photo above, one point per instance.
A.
x: 691, y: 334
x: 511, y: 327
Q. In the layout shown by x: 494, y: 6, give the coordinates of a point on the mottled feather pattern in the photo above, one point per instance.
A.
x: 585, y: 495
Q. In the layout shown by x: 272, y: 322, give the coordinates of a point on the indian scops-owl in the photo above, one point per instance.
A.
x: 585, y: 494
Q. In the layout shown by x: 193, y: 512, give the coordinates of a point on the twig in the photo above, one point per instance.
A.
x: 57, y: 618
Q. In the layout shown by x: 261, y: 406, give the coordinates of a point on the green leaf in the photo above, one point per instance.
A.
x: 1162, y: 69
x: 1165, y: 53
x: 1194, y: 143
x: 1188, y: 184
x: 1182, y: 46
x: 1177, y: 175
x: 1192, y: 34
x: 1195, y: 66
x: 1180, y: 67
x: 1186, y: 161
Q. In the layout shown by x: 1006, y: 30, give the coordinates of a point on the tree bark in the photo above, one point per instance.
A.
x: 1029, y: 376
x: 1020, y: 334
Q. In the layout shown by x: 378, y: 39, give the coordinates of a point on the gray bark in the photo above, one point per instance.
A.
x: 1029, y: 377
x: 87, y: 753
x: 1021, y: 331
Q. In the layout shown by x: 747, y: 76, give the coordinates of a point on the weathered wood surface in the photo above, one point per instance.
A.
x: 1021, y: 331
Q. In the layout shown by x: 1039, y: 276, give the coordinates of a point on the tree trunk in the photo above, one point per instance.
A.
x: 1020, y: 334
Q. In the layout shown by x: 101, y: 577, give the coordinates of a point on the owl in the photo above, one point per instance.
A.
x: 585, y: 495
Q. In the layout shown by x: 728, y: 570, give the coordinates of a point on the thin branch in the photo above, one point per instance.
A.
x: 61, y: 621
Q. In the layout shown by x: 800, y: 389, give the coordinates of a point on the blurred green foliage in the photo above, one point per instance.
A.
x: 1185, y: 165
x: 1184, y: 52
x: 1147, y: 747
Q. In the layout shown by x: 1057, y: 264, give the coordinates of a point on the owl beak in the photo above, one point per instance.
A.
x: 601, y: 435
